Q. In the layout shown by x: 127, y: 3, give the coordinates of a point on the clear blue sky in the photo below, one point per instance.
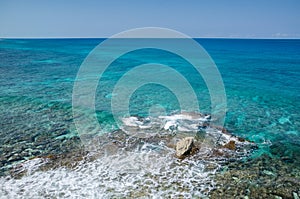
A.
x: 197, y: 18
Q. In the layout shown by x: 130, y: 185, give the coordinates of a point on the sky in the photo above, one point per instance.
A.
x: 195, y: 18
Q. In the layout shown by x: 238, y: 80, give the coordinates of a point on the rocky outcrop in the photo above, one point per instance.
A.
x: 184, y: 147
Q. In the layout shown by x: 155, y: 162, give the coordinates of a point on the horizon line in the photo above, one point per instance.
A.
x: 150, y: 38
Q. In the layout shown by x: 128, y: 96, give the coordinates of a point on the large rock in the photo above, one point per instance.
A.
x: 184, y: 147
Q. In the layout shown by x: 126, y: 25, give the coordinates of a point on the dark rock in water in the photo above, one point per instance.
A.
x: 184, y: 147
x: 204, y: 125
x: 230, y: 145
x: 287, y: 159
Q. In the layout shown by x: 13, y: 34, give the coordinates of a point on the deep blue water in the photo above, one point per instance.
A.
x: 261, y: 79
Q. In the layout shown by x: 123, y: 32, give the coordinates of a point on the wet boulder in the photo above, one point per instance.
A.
x: 184, y: 147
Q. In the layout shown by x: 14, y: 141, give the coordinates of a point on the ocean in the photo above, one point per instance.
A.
x: 42, y: 154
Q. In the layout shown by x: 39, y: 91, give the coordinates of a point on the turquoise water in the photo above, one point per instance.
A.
x: 262, y: 85
x: 261, y: 79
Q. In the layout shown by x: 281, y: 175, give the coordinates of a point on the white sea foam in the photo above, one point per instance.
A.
x: 126, y: 174
x: 184, y: 122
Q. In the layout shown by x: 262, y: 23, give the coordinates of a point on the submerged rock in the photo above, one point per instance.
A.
x: 184, y: 147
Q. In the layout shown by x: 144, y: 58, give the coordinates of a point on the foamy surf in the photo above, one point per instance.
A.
x: 124, y: 175
x: 126, y: 165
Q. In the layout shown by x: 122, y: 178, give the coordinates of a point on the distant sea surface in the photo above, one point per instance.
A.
x: 261, y: 78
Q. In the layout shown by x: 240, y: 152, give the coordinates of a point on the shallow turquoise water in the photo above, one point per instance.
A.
x: 261, y: 79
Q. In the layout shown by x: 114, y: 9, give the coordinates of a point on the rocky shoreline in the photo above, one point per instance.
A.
x: 230, y: 171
